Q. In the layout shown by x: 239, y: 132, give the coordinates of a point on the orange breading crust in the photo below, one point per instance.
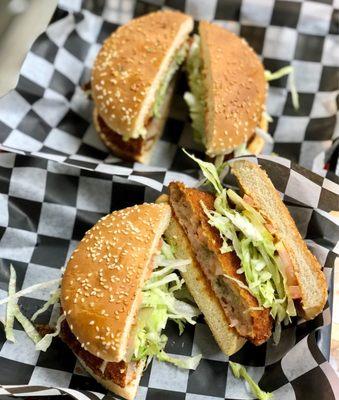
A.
x: 262, y: 322
x: 116, y: 372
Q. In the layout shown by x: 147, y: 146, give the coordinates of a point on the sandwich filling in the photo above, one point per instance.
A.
x: 240, y: 307
x: 196, y: 98
x: 264, y: 260
x: 173, y: 68
x: 160, y: 303
x: 131, y: 148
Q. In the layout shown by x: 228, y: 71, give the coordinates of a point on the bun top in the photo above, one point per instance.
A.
x: 101, y: 287
x: 236, y: 89
x: 129, y: 67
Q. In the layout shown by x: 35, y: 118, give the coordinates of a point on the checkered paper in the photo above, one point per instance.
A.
x: 49, y: 116
x: 46, y: 207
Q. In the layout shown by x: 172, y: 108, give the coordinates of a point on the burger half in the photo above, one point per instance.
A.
x: 251, y: 271
x: 117, y: 294
x: 227, y: 93
x: 133, y: 80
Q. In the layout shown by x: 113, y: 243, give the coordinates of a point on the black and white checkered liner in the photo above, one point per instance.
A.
x: 48, y: 115
x: 46, y: 207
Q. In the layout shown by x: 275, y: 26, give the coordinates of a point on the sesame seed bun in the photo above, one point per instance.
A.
x: 130, y: 67
x: 138, y: 149
x: 235, y: 89
x: 101, y: 287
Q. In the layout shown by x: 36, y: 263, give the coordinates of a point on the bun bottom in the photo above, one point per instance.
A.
x: 226, y: 337
x: 128, y: 392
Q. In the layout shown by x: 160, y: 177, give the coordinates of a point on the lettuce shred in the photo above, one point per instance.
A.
x: 160, y: 304
x: 161, y: 92
x: 239, y: 371
x: 13, y: 311
x: 195, y: 99
x: 288, y: 70
x: 44, y: 343
x: 209, y: 171
x: 29, y: 328
x: 243, y: 230
x: 11, y: 306
x: 272, y: 76
x: 54, y: 297
x: 30, y: 289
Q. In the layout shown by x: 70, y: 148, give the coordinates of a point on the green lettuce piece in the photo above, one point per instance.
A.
x: 195, y: 99
x: 243, y: 230
x: 271, y: 76
x: 239, y: 371
x: 186, y: 363
x: 209, y: 171
x: 54, y: 297
x: 288, y: 70
x: 29, y: 328
x: 160, y: 304
x: 161, y: 92
x: 30, y: 289
x: 11, y: 306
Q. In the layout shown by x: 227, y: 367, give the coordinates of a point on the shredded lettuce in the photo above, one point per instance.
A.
x: 240, y: 284
x: 13, y: 311
x: 54, y: 297
x: 221, y: 166
x: 30, y: 289
x: 29, y: 328
x: 271, y: 76
x: 186, y: 363
x: 161, y: 92
x: 11, y: 306
x: 239, y: 371
x: 159, y: 304
x: 46, y: 341
x: 264, y: 135
x: 294, y: 93
x: 195, y: 99
x: 288, y: 70
x: 243, y: 230
x: 209, y: 171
